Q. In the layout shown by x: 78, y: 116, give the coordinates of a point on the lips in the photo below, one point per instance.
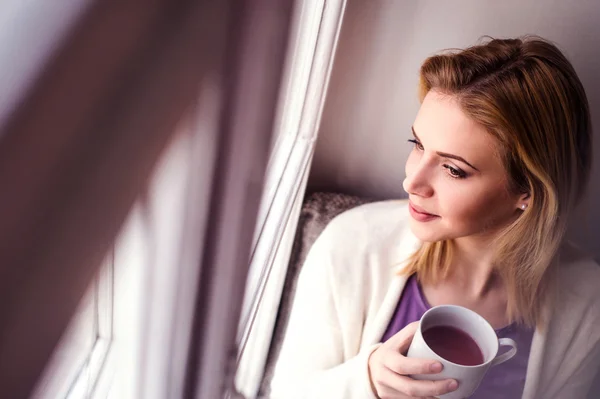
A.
x: 421, y: 210
x: 420, y: 214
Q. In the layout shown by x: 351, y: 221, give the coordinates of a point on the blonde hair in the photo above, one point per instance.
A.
x: 529, y: 98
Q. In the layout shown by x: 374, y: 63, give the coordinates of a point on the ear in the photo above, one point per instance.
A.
x: 523, y: 201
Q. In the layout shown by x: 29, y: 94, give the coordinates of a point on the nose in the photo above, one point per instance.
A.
x: 417, y: 181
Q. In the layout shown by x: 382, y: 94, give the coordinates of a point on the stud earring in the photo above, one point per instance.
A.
x: 524, y: 206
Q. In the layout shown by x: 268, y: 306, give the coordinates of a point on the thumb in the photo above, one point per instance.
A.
x: 402, y: 339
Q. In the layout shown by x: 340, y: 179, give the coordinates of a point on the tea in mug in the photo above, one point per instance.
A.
x: 453, y: 345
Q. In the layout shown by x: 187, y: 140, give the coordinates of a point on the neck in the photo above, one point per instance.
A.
x: 472, y: 266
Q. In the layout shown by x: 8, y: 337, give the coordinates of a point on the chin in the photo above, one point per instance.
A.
x: 426, y: 232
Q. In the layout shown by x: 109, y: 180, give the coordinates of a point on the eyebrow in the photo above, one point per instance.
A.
x: 445, y: 154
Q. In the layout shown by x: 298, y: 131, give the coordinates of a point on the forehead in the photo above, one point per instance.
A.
x: 442, y: 126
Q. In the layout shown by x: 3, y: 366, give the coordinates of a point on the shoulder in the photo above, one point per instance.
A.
x: 374, y: 236
x: 370, y: 222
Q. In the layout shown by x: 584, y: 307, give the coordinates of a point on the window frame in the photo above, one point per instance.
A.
x: 316, y: 27
x: 86, y: 382
x: 73, y: 371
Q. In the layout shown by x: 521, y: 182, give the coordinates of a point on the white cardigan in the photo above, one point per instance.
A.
x: 348, y: 289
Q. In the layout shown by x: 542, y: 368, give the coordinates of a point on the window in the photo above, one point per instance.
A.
x: 108, y: 103
x: 309, y: 60
x: 78, y: 360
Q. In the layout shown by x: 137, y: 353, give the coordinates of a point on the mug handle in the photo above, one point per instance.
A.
x: 505, y: 356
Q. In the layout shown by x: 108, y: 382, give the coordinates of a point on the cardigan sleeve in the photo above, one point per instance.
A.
x: 579, y: 383
x: 572, y: 358
x: 316, y: 359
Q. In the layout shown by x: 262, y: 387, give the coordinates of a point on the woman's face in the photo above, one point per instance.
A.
x: 456, y: 181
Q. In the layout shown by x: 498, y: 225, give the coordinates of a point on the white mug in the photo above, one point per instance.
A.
x: 478, y: 329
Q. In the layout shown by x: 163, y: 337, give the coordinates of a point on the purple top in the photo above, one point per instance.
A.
x: 503, y: 381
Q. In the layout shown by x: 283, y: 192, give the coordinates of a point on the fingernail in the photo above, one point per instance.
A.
x: 452, y: 385
x: 435, y: 367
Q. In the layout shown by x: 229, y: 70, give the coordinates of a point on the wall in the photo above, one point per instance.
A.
x: 372, y: 100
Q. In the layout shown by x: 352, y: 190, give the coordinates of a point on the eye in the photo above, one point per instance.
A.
x: 455, y: 173
x: 417, y: 144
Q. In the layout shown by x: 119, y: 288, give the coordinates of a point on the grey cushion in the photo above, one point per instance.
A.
x: 318, y: 210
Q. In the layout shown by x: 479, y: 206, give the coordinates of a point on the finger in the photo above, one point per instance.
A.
x: 403, y: 365
x: 389, y: 386
x: 421, y: 388
x: 392, y: 385
x: 402, y: 339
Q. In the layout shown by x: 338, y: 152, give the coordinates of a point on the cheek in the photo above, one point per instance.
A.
x: 476, y: 208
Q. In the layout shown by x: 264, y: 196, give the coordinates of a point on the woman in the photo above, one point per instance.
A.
x: 502, y: 153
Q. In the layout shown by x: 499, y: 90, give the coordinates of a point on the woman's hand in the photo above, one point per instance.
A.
x: 389, y: 370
